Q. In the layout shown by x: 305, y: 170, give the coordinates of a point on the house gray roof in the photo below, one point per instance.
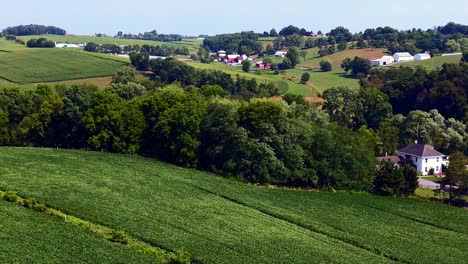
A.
x: 393, y: 159
x: 420, y: 150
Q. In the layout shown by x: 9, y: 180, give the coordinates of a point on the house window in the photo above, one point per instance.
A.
x: 416, y: 159
x: 425, y: 169
x: 437, y: 168
x: 437, y: 159
x: 426, y: 160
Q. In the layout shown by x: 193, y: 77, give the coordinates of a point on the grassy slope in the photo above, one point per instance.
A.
x: 433, y: 63
x: 222, y: 221
x: 47, y: 65
x: 31, y: 237
x: 267, y: 76
x: 191, y: 44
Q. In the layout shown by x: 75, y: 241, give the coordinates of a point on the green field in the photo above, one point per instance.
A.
x: 47, y: 65
x: 225, y: 221
x: 433, y: 63
x: 192, y: 44
x: 27, y: 236
x: 293, y: 83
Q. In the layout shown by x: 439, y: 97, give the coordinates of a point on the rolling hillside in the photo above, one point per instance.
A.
x: 48, y: 240
x: 225, y: 221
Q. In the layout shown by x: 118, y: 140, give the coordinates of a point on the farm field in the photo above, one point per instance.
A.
x: 337, y: 58
x: 48, y: 65
x: 48, y: 240
x: 76, y: 39
x: 287, y: 83
x: 432, y: 63
x: 225, y: 221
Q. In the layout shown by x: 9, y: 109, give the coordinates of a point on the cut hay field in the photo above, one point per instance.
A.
x: 49, y: 65
x: 225, y: 221
x: 28, y: 236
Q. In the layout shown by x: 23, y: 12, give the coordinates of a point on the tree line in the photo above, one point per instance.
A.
x: 27, y: 30
x: 159, y: 50
x: 40, y: 43
x: 260, y: 140
x: 151, y: 35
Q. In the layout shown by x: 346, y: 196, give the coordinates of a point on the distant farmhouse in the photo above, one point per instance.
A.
x: 424, y: 157
x: 403, y: 56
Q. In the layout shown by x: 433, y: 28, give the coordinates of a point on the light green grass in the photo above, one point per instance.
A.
x: 433, y: 63
x: 47, y: 65
x: 224, y: 221
x: 266, y: 76
x: 32, y: 237
x: 100, y: 40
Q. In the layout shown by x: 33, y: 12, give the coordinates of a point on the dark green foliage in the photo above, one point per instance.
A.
x: 246, y: 65
x: 325, y: 66
x: 140, y: 61
x: 26, y: 30
x: 294, y: 98
x: 119, y: 237
x: 358, y: 66
x: 393, y: 180
x: 125, y: 75
x: 173, y: 120
x: 114, y: 125
x: 127, y: 91
x: 243, y: 43
x: 40, y: 43
x: 104, y: 48
x: 305, y: 77
x: 416, y: 89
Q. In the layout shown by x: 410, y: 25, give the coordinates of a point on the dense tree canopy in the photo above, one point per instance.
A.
x: 27, y: 30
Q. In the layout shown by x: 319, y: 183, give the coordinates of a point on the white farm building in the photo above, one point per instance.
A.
x: 403, y: 56
x: 424, y: 157
x: 422, y: 56
x: 385, y: 60
x: 67, y: 45
x: 281, y: 54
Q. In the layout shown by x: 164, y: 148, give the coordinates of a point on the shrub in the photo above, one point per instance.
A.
x: 10, y: 37
x: 305, y: 77
x: 119, y: 237
x: 325, y: 66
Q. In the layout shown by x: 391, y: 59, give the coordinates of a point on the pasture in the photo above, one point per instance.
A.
x: 432, y: 63
x: 225, y: 221
x: 191, y: 44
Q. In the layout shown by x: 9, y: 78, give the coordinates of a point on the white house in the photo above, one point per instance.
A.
x: 222, y: 53
x: 402, y: 56
x: 385, y: 60
x: 422, y: 56
x: 66, y: 45
x: 281, y: 54
x: 424, y: 157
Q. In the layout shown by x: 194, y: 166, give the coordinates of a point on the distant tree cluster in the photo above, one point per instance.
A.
x: 27, y: 30
x: 152, y: 35
x: 40, y: 43
x: 417, y: 89
x: 104, y: 48
x: 242, y: 43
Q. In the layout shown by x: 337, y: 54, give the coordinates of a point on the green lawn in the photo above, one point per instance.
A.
x: 225, y: 221
x: 30, y: 237
x: 47, y: 65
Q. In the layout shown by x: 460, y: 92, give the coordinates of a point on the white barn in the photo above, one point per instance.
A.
x: 402, y: 56
x: 66, y: 45
x: 385, y: 60
x: 422, y: 56
x: 424, y: 157
x: 281, y: 54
